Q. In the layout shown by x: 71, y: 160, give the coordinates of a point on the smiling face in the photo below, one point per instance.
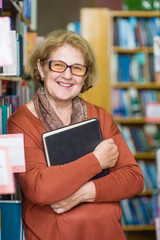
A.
x: 62, y: 87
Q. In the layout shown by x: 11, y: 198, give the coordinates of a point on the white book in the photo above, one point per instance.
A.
x: 15, y: 144
x: 6, y: 57
x: 11, y: 70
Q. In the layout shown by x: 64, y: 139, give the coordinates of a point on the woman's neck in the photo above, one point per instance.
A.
x: 63, y: 110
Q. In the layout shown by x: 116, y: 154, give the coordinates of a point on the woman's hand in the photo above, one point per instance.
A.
x: 86, y: 193
x: 107, y: 153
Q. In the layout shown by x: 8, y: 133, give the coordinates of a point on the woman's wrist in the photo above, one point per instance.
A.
x: 88, y: 192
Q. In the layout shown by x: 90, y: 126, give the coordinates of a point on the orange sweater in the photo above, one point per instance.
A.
x: 42, y: 185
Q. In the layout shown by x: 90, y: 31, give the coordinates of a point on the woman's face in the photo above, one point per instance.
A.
x: 63, y: 87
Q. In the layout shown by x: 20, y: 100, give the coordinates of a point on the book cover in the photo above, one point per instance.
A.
x: 67, y: 144
x: 6, y: 176
x: 15, y: 144
x: 158, y: 167
x: 1, y: 120
x: 11, y: 69
x: 138, y: 210
x: 11, y: 220
x: 147, y: 179
x: 136, y: 220
x: 5, y: 46
x: 126, y: 211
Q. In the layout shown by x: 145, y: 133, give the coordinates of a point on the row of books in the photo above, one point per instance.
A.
x: 141, y: 139
x: 24, y: 91
x: 136, y: 67
x: 149, y: 172
x: 135, y: 32
x: 15, y: 48
x: 8, y: 104
x: 132, y: 102
x: 138, y: 211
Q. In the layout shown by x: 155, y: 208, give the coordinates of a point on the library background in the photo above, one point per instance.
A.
x: 126, y: 40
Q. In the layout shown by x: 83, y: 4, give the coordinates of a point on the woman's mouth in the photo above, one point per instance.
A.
x: 65, y: 84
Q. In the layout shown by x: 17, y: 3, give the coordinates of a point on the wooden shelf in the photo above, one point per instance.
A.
x: 20, y: 11
x: 135, y: 14
x: 139, y: 228
x: 11, y: 78
x: 142, y: 155
x: 131, y: 51
x: 132, y: 120
x: 148, y: 85
x: 148, y: 192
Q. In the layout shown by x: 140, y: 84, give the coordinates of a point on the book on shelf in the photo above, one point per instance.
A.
x: 16, y: 67
x: 158, y: 167
x: 11, y: 220
x: 138, y: 210
x: 153, y: 135
x: 148, y: 209
x: 144, y: 139
x: 156, y: 55
x: 15, y: 144
x: 8, y: 104
x: 136, y: 220
x: 67, y: 144
x: 132, y: 68
x: 126, y: 133
x: 150, y: 175
x: 34, y: 12
x: 74, y: 27
x: 31, y: 43
x: 6, y: 44
x: 152, y: 113
x: 135, y: 31
x: 126, y: 212
x: 4, y: 117
x: 157, y: 214
x: 6, y: 175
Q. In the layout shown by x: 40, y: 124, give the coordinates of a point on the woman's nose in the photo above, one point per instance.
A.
x: 67, y: 73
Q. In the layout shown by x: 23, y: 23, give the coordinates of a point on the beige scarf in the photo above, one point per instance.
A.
x: 48, y: 116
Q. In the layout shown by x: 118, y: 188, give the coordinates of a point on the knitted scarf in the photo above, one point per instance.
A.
x: 48, y: 116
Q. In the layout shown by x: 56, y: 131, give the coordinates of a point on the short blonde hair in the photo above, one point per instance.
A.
x: 55, y: 40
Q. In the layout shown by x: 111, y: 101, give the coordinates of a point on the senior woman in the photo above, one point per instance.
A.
x: 64, y: 65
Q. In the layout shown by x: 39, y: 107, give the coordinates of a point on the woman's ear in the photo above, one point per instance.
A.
x: 40, y: 68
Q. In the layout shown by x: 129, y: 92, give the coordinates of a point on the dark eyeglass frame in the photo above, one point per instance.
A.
x: 67, y: 66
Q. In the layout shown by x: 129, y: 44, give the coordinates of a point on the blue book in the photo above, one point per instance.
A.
x: 126, y: 212
x: 147, y: 209
x: 136, y: 221
x: 11, y: 221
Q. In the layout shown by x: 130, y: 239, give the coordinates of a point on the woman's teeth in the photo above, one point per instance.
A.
x: 65, y: 84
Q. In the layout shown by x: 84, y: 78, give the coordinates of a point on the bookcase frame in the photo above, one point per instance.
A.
x: 97, y: 25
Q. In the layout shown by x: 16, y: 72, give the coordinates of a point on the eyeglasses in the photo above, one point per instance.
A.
x: 60, y: 66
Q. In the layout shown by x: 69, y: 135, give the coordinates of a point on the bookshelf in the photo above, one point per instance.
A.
x: 102, y: 39
x: 14, y: 86
x: 12, y: 78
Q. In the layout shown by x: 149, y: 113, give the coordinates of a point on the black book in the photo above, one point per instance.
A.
x: 67, y: 144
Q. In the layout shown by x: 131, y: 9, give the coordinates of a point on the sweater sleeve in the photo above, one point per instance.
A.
x: 45, y: 185
x: 125, y: 179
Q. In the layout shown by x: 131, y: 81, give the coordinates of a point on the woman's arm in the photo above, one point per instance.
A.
x: 45, y: 185
x: 107, y: 154
x: 86, y: 193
